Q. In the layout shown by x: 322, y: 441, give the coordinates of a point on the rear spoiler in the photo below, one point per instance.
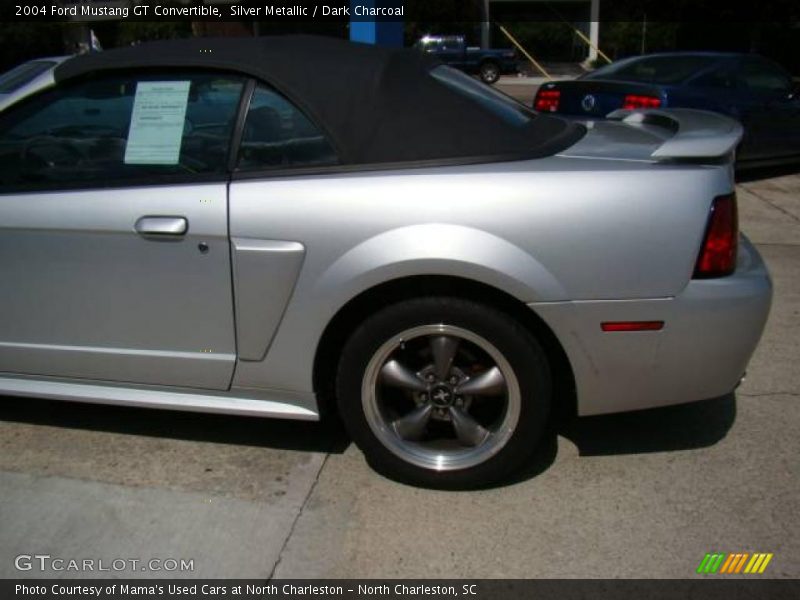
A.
x: 695, y: 133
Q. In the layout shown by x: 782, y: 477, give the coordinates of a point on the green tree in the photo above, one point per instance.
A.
x: 133, y: 32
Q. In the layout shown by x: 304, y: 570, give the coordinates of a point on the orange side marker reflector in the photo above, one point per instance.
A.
x: 632, y: 326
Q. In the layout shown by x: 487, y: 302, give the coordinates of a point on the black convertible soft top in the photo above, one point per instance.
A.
x: 378, y: 105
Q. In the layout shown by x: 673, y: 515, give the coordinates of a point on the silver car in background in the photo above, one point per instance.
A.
x: 200, y: 225
x: 27, y: 78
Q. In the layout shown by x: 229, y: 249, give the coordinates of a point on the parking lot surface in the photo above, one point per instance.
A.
x: 522, y: 89
x: 633, y: 495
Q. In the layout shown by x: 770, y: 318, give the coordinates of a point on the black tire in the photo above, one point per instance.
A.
x: 489, y: 72
x: 522, y: 354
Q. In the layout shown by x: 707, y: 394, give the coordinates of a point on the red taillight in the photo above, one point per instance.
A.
x: 718, y: 254
x: 547, y: 100
x: 634, y: 101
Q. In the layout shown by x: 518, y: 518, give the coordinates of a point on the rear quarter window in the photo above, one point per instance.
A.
x: 663, y: 70
x: 498, y: 104
x: 278, y: 135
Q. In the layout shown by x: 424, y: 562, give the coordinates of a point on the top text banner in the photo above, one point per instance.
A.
x: 463, y: 11
x: 220, y: 10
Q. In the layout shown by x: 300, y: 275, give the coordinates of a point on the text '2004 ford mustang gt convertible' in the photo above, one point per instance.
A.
x: 278, y: 226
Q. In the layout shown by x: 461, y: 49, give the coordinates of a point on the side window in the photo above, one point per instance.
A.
x: 119, y: 128
x: 451, y: 45
x: 720, y: 78
x: 277, y: 135
x: 762, y: 76
x: 430, y: 45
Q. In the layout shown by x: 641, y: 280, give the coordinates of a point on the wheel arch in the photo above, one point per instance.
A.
x: 352, y: 314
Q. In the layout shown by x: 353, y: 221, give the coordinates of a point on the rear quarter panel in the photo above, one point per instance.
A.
x: 545, y: 231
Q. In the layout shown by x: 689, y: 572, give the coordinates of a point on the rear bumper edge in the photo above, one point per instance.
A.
x: 711, y: 330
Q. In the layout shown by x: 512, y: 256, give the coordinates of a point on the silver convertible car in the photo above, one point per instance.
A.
x: 281, y: 227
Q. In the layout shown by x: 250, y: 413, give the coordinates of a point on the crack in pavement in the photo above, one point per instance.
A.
x: 300, y: 512
x: 772, y: 204
x: 776, y: 244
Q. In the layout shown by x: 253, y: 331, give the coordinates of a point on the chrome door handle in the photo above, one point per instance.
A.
x: 162, y: 226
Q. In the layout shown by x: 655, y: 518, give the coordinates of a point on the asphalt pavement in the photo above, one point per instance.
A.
x: 522, y: 89
x: 633, y: 495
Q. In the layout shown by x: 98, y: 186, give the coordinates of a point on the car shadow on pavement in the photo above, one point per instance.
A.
x: 542, y: 459
x: 681, y: 427
x: 327, y: 436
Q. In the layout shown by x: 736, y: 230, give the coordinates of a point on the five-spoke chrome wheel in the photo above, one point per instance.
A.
x: 444, y: 392
x: 441, y: 397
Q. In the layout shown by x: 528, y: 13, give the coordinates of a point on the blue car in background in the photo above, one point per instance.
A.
x: 748, y: 87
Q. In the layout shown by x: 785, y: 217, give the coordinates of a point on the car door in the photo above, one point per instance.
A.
x: 769, y: 111
x: 114, y: 250
x: 454, y: 53
x: 280, y: 147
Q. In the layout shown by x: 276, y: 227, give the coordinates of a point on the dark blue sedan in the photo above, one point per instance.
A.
x: 748, y: 87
